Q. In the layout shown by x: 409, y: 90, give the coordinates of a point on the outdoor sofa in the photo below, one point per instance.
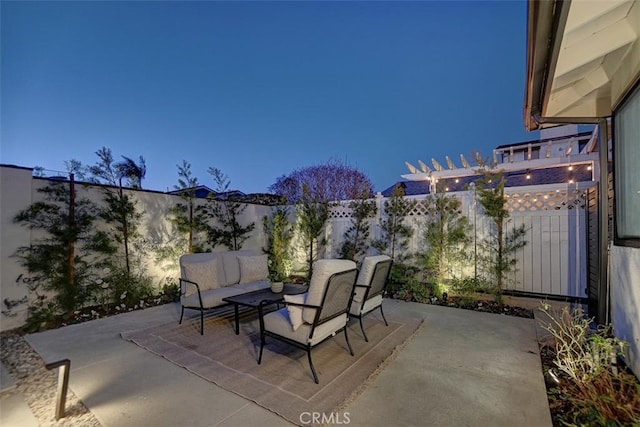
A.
x: 207, y: 278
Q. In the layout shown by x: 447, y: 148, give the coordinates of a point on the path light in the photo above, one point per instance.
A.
x: 553, y: 376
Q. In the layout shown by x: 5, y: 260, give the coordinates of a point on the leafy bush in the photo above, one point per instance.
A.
x: 400, y: 274
x: 42, y: 313
x: 588, y: 376
x: 126, y: 289
x: 170, y: 291
x: 467, y: 288
x: 413, y: 290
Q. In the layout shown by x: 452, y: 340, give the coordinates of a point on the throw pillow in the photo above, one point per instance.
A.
x: 253, y: 268
x: 295, y: 312
x: 204, y: 273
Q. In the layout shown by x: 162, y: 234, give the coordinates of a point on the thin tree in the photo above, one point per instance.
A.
x: 279, y: 233
x: 502, y: 244
x: 445, y: 235
x: 188, y: 217
x: 226, y: 211
x: 395, y: 232
x: 64, y: 259
x: 122, y: 215
x: 356, y: 237
x: 121, y: 210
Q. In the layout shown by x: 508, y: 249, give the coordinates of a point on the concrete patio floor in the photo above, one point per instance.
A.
x: 462, y: 368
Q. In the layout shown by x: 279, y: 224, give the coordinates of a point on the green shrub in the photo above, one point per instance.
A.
x: 466, y: 288
x: 399, y: 276
x: 413, y: 290
x: 127, y: 290
x: 170, y: 291
x: 42, y: 314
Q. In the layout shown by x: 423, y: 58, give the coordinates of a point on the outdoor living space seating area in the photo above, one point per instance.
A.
x: 461, y: 367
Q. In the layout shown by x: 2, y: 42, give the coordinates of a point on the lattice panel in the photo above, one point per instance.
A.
x: 545, y: 201
x: 421, y: 208
x: 340, y: 211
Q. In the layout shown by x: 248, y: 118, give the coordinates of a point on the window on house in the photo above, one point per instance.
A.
x: 627, y: 171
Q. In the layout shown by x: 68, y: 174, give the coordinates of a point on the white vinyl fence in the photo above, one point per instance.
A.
x: 554, y: 260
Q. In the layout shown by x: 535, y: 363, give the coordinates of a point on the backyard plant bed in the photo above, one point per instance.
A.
x: 481, y: 303
x: 50, y: 321
x: 587, y: 382
x: 569, y: 406
x: 484, y: 306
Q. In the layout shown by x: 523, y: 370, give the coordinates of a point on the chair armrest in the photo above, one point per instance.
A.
x: 297, y: 304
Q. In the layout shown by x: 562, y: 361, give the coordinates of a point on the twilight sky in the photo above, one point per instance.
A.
x: 259, y: 89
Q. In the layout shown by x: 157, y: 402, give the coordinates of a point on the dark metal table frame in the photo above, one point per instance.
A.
x: 260, y: 298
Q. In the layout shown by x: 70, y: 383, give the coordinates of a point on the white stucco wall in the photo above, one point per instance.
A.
x: 625, y: 300
x: 18, y: 190
x: 15, y: 193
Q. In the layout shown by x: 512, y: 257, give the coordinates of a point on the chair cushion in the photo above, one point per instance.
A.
x: 231, y: 266
x: 253, y: 268
x: 357, y: 307
x: 204, y: 272
x: 295, y: 312
x: 366, y: 274
x: 323, y: 269
x: 212, y: 298
x: 279, y: 323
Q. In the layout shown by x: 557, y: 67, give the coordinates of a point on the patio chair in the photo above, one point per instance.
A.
x: 370, y: 287
x: 309, y: 319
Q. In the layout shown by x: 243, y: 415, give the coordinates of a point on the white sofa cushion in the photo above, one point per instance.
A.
x: 213, y: 297
x: 323, y: 269
x: 204, y: 272
x: 253, y: 268
x: 295, y: 312
x: 231, y: 266
x: 279, y: 323
x: 366, y: 273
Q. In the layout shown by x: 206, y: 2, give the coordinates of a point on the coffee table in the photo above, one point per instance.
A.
x: 258, y: 299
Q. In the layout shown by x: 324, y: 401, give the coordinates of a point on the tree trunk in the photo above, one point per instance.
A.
x: 72, y: 232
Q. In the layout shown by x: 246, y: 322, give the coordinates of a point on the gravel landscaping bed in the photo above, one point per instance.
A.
x: 38, y: 385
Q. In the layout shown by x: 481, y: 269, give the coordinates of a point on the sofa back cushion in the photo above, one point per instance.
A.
x: 203, y: 270
x: 231, y: 266
x: 253, y: 268
x: 323, y: 269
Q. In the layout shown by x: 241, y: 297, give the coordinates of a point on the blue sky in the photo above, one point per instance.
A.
x: 259, y: 89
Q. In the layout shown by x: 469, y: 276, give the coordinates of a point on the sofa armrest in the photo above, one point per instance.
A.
x: 184, y: 283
